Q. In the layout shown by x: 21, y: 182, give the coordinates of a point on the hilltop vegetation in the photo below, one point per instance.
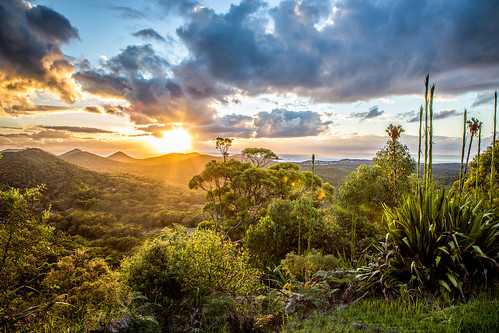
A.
x: 273, y: 246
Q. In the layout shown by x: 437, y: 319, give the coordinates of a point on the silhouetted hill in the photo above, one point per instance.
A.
x: 121, y: 157
x: 176, y: 167
x: 93, y: 161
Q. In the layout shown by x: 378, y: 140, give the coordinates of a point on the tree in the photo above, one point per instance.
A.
x: 237, y: 194
x: 223, y: 144
x: 286, y: 226
x: 260, y: 157
x: 396, y: 163
x: 474, y: 126
x: 362, y: 196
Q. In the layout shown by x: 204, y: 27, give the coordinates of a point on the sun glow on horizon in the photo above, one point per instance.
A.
x: 175, y: 141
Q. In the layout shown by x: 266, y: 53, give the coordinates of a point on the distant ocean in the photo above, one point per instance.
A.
x: 302, y: 158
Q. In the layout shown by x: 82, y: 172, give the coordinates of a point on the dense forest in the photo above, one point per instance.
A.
x: 191, y: 243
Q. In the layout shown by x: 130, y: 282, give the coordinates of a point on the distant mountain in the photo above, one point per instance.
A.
x: 93, y: 162
x: 72, y: 152
x: 121, y: 157
x: 175, y: 167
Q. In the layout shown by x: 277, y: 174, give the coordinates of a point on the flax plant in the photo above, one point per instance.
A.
x: 419, y: 145
x: 478, y: 160
x: 426, y: 128
x: 437, y: 240
x: 492, y: 163
x: 461, y: 178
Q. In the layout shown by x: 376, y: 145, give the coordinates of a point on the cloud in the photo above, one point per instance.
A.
x: 413, y: 117
x: 76, y: 129
x: 280, y: 123
x: 372, y: 113
x: 349, y: 60
x: 142, y: 77
x: 118, y: 110
x: 23, y: 109
x: 92, y: 109
x: 127, y: 12
x: 31, y: 58
x: 482, y: 99
x: 149, y: 34
x: 172, y: 7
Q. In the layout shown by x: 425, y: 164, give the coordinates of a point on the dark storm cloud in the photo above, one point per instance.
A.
x: 360, y: 50
x: 280, y: 123
x: 373, y: 112
x: 30, y: 51
x: 107, y: 85
x: 75, y: 129
x: 484, y: 98
x: 143, y: 78
x: 149, y: 34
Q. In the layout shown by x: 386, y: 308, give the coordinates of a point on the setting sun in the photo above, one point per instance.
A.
x: 176, y: 141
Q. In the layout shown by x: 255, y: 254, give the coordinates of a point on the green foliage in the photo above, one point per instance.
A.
x: 237, y: 194
x: 478, y: 180
x: 302, y: 267
x: 223, y: 144
x: 26, y: 251
x: 438, y: 241
x: 259, y: 157
x: 176, y: 271
x: 478, y: 315
x: 86, y: 290
x: 279, y: 233
x: 397, y: 166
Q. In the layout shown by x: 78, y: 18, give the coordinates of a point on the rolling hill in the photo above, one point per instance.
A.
x: 175, y: 168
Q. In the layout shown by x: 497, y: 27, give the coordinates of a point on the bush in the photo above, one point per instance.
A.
x: 177, y: 271
x: 288, y: 226
x: 439, y: 241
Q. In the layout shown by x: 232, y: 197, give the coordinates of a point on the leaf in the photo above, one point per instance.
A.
x: 444, y: 284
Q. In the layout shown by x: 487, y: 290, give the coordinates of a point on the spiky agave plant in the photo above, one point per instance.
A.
x: 442, y: 241
x: 436, y: 240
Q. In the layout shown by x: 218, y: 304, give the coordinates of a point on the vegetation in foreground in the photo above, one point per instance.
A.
x: 275, y: 248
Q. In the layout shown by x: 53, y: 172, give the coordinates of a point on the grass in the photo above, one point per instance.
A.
x: 379, y: 315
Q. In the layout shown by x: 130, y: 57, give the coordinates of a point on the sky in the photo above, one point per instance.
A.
x: 298, y: 77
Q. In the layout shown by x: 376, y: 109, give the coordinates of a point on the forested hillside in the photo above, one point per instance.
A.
x: 94, y: 207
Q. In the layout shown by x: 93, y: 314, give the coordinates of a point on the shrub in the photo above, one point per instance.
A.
x: 439, y: 241
x: 177, y: 271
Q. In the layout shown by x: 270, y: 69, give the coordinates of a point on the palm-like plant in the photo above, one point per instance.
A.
x: 474, y: 126
x: 394, y: 133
